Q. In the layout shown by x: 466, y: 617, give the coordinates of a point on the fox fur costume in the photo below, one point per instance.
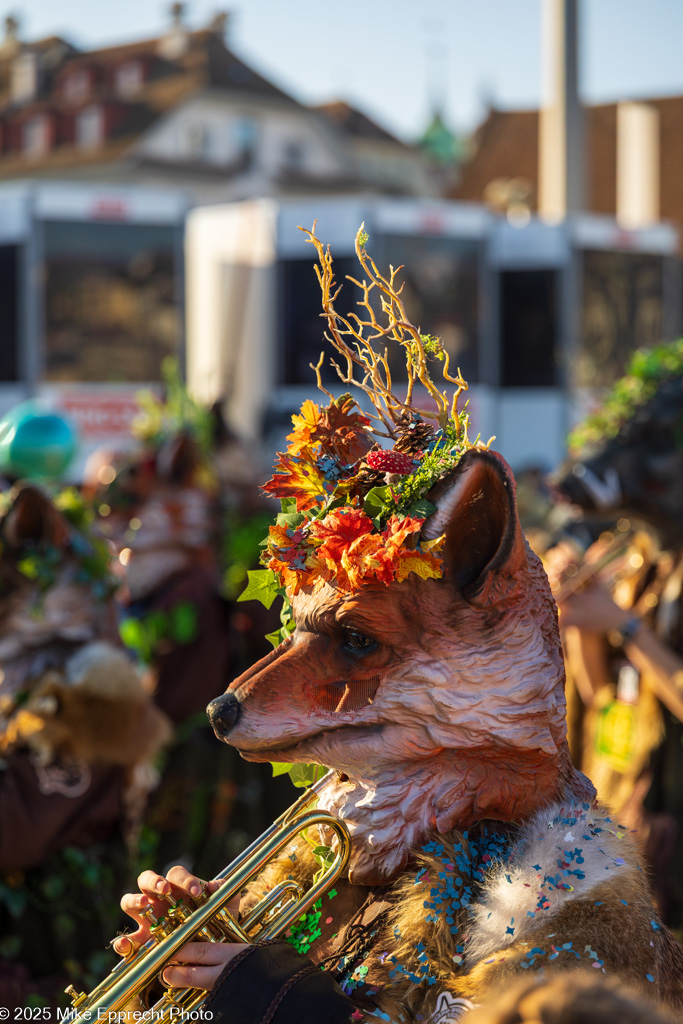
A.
x: 478, y: 853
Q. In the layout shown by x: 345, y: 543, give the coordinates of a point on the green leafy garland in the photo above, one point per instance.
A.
x: 647, y: 369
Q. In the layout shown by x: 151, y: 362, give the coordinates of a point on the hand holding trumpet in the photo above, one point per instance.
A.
x: 196, y: 964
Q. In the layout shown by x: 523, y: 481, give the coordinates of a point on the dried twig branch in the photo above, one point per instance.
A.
x: 364, y: 331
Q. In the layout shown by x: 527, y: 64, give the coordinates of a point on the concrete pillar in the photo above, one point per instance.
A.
x: 637, y: 164
x: 561, y: 174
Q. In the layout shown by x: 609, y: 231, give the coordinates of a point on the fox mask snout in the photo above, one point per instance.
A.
x: 440, y: 701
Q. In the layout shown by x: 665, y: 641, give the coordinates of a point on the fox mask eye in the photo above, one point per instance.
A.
x: 358, y: 642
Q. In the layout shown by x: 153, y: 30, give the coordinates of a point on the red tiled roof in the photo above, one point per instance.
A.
x: 506, y: 146
x: 206, y: 63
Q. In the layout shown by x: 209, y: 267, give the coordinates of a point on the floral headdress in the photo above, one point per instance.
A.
x: 353, y: 509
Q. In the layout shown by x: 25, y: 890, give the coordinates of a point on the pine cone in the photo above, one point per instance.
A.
x: 414, y: 437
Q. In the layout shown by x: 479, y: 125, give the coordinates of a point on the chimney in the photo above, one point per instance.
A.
x: 173, y: 44
x: 220, y: 26
x: 560, y: 143
x: 11, y: 44
x: 24, y: 79
x: 637, y: 164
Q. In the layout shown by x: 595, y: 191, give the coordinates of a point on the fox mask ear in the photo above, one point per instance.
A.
x: 33, y: 519
x: 476, y: 510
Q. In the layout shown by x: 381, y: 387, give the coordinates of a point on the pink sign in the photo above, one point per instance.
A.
x: 99, y: 416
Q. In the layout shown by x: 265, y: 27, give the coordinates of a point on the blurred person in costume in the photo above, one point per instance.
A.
x: 623, y: 631
x: 79, y: 734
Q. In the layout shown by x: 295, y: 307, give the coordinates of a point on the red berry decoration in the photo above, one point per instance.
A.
x: 390, y: 462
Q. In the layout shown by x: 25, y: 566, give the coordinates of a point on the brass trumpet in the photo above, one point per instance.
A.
x: 206, y: 918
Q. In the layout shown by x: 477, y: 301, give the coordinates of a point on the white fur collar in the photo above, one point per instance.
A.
x: 562, y: 853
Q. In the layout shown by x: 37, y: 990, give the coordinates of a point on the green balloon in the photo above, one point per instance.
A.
x: 35, y: 442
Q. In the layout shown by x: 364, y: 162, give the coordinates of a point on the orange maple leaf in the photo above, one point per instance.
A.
x: 365, y: 558
x: 420, y: 562
x: 338, y: 530
x: 306, y: 424
x: 397, y: 531
x: 339, y: 430
x: 343, y: 431
x: 293, y: 558
x: 300, y: 479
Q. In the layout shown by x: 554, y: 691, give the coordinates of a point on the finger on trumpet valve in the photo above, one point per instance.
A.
x: 179, y: 912
x: 161, y: 930
x: 149, y: 914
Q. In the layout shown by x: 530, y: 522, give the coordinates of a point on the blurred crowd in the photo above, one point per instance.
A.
x: 119, y: 621
x: 118, y: 624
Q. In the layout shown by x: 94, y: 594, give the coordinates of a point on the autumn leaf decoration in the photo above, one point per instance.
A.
x: 353, y: 484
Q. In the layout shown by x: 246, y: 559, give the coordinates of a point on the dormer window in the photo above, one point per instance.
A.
x: 128, y: 78
x: 36, y: 136
x: 294, y: 155
x: 89, y: 128
x: 24, y: 86
x: 77, y: 85
x: 246, y: 138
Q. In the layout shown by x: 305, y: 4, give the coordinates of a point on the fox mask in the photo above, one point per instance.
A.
x: 438, y: 702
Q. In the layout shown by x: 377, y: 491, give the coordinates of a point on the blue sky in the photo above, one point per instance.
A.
x: 390, y: 57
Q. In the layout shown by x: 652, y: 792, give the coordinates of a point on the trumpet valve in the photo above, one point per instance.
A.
x: 161, y: 929
x: 179, y: 912
x: 77, y: 998
x: 150, y: 915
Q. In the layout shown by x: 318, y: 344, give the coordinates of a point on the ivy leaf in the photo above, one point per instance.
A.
x: 262, y: 586
x: 304, y: 775
x: 324, y: 855
x: 335, y: 503
x: 291, y: 519
x: 376, y: 498
x: 288, y: 504
x: 276, y: 637
x: 421, y: 509
x: 301, y: 775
